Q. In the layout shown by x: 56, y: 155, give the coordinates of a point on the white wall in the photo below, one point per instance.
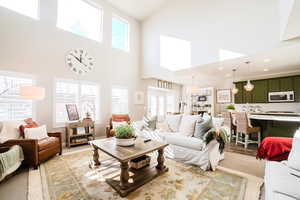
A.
x: 241, y: 26
x: 37, y: 47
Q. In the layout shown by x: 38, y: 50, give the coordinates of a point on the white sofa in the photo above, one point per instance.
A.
x: 186, y: 148
x: 282, y: 179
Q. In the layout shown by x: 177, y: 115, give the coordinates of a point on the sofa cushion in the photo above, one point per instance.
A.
x: 10, y: 130
x: 279, y: 180
x: 173, y: 122
x: 183, y: 141
x: 36, y: 133
x: 47, y: 143
x: 202, y: 127
x: 187, y: 124
x: 294, y: 156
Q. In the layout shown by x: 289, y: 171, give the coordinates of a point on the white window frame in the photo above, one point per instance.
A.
x: 79, y: 83
x: 128, y: 34
x: 38, y: 12
x: 22, y: 75
x: 93, y: 4
x: 128, y: 100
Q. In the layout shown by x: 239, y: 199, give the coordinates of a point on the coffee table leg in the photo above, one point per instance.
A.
x: 124, y: 176
x: 160, y: 160
x: 96, y: 157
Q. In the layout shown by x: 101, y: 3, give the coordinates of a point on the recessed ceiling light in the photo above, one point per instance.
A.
x: 266, y: 70
x: 267, y: 60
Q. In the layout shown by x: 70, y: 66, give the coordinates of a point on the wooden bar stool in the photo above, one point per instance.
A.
x: 228, y: 122
x: 245, y: 128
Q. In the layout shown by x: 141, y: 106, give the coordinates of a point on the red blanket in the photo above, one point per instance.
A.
x: 275, y: 148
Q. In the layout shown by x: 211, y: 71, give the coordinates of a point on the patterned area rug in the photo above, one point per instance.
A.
x: 69, y: 177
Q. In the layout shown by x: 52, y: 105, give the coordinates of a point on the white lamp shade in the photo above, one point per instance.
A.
x: 249, y: 86
x: 32, y: 93
x: 235, y: 90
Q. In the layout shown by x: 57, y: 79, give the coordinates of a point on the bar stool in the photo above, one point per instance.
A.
x: 245, y: 128
x: 228, y: 122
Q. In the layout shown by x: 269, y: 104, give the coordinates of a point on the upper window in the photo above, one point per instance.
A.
x: 12, y: 106
x: 29, y: 8
x: 175, y: 54
x: 84, y: 95
x: 120, y: 34
x: 81, y: 18
x: 119, y: 100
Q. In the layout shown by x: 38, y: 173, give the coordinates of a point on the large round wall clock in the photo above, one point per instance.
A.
x: 79, y: 61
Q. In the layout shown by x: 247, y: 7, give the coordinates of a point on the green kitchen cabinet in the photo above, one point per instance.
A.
x: 274, y: 85
x: 238, y: 98
x: 260, y: 91
x: 296, y: 82
x: 286, y: 84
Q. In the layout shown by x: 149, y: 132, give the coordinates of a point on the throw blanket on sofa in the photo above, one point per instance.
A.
x: 275, y: 148
x: 10, y: 160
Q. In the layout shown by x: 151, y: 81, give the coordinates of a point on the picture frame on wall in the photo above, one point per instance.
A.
x: 224, y: 96
x: 139, y: 98
x: 72, y: 112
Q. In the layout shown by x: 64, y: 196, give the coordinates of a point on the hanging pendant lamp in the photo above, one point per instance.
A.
x: 249, y: 86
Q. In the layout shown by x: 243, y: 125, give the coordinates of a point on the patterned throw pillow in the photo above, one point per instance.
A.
x: 202, y: 127
x: 150, y: 122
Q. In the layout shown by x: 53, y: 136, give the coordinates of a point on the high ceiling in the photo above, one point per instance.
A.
x: 139, y: 9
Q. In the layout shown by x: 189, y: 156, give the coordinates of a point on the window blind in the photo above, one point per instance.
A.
x: 12, y: 106
x: 120, y: 101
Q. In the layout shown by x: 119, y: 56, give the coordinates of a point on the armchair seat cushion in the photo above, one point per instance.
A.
x: 47, y: 143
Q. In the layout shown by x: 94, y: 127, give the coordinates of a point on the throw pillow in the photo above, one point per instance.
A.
x: 117, y: 124
x: 10, y: 130
x: 202, y: 126
x: 150, y: 123
x: 187, y: 125
x: 29, y: 124
x: 163, y: 126
x: 36, y: 133
x: 294, y: 158
x: 173, y: 122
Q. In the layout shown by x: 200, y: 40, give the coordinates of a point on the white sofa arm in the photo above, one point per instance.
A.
x: 184, y: 141
x: 214, y: 154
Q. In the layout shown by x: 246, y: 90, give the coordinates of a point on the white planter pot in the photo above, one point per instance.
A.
x: 125, y: 142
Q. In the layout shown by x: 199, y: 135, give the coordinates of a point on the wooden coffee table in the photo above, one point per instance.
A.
x: 124, y: 155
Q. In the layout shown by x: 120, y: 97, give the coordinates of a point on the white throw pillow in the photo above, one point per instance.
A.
x: 117, y: 124
x: 294, y: 156
x: 10, y: 130
x: 187, y: 125
x: 36, y: 133
x: 173, y: 122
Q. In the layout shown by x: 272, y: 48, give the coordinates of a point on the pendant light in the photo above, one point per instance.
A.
x: 234, y: 89
x: 249, y: 86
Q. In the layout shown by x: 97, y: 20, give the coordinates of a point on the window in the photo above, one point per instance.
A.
x: 84, y: 95
x: 81, y: 18
x: 161, y: 105
x: 119, y: 100
x: 120, y: 34
x: 29, y: 8
x: 12, y: 106
x: 170, y: 104
x: 175, y: 54
x: 153, y: 105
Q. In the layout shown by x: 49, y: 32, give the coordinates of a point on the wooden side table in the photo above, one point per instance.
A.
x: 74, y: 137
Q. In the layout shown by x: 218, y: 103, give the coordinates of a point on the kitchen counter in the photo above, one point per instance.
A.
x: 270, y: 117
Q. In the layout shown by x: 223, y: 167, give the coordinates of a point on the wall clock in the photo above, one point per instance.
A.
x: 79, y: 61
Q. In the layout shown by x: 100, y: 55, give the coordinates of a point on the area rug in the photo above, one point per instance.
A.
x: 69, y: 177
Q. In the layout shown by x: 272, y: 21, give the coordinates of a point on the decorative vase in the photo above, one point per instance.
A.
x: 125, y: 142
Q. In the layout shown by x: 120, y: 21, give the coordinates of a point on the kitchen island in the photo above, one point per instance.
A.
x: 276, y: 124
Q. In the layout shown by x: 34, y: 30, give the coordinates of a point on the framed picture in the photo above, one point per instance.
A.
x: 139, y: 98
x: 224, y: 96
x: 72, y: 112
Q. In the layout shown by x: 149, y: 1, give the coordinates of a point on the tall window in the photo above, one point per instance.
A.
x: 12, y: 106
x: 29, y: 8
x: 171, y: 104
x: 119, y: 100
x: 81, y: 18
x: 84, y: 95
x: 175, y: 54
x: 120, y: 34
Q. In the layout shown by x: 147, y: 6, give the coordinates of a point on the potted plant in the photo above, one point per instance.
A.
x: 230, y: 108
x: 125, y: 135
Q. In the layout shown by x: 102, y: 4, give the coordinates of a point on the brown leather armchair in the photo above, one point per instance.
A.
x: 37, y: 151
x: 116, y: 118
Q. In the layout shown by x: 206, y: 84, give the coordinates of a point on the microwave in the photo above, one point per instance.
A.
x: 288, y: 96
